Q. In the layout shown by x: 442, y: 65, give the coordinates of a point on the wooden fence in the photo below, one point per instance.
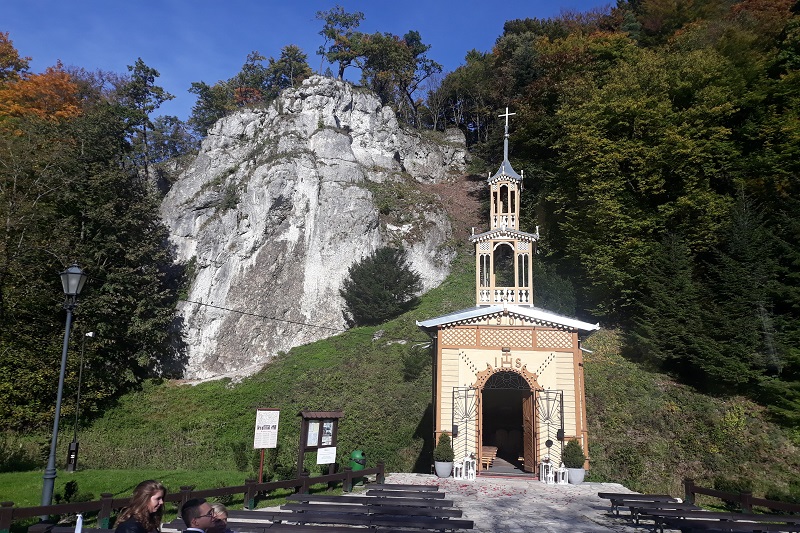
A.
x: 746, y: 500
x: 106, y: 505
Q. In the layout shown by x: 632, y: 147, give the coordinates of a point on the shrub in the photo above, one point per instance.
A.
x: 444, y: 449
x: 572, y: 456
x: 380, y: 287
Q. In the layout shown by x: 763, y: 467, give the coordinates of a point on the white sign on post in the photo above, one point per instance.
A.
x: 266, y: 435
x: 326, y: 456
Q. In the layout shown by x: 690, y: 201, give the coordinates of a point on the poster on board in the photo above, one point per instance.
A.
x: 327, y: 433
x: 312, y: 440
x: 266, y: 434
x: 326, y: 456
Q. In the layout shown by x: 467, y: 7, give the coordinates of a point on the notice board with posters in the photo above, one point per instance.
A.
x: 318, y: 433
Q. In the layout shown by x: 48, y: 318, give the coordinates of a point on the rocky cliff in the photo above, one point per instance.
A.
x: 281, y: 201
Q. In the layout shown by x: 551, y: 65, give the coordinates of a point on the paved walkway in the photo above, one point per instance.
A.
x: 514, y: 505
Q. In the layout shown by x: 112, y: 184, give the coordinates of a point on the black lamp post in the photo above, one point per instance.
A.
x: 72, y: 455
x: 72, y: 279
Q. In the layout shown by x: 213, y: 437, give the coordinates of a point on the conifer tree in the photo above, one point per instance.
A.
x: 668, y: 329
x: 380, y: 287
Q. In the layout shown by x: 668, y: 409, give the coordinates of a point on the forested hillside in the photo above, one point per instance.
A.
x: 660, y: 149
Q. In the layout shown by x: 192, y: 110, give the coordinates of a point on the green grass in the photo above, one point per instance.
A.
x: 25, y: 488
x: 649, y: 432
x: 645, y: 430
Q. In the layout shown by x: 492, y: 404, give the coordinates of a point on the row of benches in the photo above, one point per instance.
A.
x: 383, y: 509
x: 672, y: 513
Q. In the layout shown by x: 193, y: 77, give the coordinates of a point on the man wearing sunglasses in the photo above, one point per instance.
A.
x: 197, y: 515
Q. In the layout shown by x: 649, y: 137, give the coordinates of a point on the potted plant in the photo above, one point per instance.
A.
x: 573, y: 459
x: 443, y: 456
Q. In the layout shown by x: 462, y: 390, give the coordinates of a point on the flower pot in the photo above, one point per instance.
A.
x: 443, y: 469
x: 576, y: 475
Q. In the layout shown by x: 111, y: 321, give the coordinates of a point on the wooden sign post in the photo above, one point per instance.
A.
x: 318, y: 432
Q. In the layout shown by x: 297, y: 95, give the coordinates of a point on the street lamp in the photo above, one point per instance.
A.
x: 72, y: 455
x: 72, y: 279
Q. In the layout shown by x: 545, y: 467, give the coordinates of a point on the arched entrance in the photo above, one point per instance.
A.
x: 508, y: 415
x: 502, y: 398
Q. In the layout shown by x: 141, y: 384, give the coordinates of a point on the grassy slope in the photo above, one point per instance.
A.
x: 646, y: 431
x: 649, y: 432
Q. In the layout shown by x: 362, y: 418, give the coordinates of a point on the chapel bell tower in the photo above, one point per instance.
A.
x: 504, y: 254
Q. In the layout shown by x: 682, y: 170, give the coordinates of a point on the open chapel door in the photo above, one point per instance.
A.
x: 529, y: 432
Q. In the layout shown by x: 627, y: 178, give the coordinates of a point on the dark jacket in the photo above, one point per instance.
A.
x: 130, y: 526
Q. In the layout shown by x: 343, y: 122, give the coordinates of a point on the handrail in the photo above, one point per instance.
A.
x: 107, y: 504
x: 745, y: 499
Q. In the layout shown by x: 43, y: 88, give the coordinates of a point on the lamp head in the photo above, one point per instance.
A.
x: 73, y: 279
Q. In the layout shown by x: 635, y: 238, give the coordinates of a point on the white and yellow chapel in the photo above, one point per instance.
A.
x: 508, y: 376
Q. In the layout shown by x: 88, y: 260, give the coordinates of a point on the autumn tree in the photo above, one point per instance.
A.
x: 68, y: 192
x: 341, y: 40
x: 12, y: 65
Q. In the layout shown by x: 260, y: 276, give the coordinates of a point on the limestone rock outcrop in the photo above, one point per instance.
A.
x: 281, y: 201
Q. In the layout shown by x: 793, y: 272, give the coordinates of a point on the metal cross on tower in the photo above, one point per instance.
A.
x: 505, y: 138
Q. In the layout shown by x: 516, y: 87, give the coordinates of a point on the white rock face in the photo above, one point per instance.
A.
x: 280, y: 202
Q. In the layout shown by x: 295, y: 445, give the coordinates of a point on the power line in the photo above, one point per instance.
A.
x: 265, y: 317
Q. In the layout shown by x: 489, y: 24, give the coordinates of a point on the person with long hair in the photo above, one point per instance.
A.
x: 144, y: 513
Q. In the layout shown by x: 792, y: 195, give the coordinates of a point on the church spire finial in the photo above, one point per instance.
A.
x: 505, y: 138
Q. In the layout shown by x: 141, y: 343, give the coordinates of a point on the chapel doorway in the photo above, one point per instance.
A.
x: 507, y: 419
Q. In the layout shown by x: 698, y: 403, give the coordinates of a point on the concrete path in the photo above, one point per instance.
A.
x: 514, y: 505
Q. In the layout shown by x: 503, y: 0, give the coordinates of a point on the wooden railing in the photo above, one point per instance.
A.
x: 746, y: 500
x: 107, y: 504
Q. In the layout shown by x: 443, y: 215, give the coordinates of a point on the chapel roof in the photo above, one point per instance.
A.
x: 534, y: 314
x: 505, y: 233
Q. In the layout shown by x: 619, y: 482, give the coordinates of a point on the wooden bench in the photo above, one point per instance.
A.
x: 640, y: 508
x: 371, y: 500
x: 441, y: 512
x: 342, y: 517
x: 433, y: 495
x: 623, y: 499
x: 488, y: 454
x: 401, y: 487
x: 723, y: 521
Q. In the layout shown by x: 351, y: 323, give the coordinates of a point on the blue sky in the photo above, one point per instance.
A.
x: 208, y: 40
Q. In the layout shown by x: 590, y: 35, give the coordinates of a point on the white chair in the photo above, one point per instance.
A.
x: 470, y: 468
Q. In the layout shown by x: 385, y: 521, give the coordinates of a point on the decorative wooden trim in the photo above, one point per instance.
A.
x: 483, y: 376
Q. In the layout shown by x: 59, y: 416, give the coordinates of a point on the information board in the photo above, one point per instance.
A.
x: 266, y: 434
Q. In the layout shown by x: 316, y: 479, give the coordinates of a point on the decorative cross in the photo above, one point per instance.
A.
x: 507, y: 114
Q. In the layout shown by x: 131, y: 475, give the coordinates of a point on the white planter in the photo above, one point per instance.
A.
x: 443, y: 469
x: 576, y: 475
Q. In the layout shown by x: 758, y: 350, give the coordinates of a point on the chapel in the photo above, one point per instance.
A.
x: 508, y: 376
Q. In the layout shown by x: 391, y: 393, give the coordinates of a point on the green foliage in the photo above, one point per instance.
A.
x: 72, y: 494
x: 649, y: 432
x: 339, y: 36
x: 734, y: 485
x: 256, y: 84
x: 572, y: 455
x: 18, y: 455
x: 444, y: 449
x: 380, y: 287
x: 72, y: 192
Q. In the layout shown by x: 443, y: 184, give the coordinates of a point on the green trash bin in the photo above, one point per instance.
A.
x: 358, y: 461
